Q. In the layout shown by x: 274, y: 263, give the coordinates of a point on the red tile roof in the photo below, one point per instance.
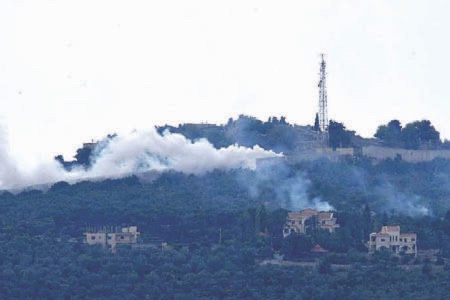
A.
x: 308, y: 212
x: 325, y: 216
x: 304, y: 214
x: 386, y: 229
x: 318, y: 249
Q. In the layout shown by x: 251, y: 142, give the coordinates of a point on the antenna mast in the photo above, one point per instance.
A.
x: 323, y: 110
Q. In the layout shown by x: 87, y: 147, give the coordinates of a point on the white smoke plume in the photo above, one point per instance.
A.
x: 14, y: 175
x: 146, y: 151
x: 137, y: 152
x: 395, y: 201
x: 8, y: 171
x: 293, y: 193
x: 291, y: 190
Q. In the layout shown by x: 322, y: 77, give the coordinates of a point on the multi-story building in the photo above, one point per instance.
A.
x: 111, y: 237
x: 390, y: 238
x: 299, y: 222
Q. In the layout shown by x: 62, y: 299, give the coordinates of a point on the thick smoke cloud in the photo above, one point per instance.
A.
x: 146, y: 151
x: 8, y: 171
x: 139, y: 151
x: 14, y: 175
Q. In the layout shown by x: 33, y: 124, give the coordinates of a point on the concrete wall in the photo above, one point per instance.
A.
x: 381, y: 153
x: 375, y: 152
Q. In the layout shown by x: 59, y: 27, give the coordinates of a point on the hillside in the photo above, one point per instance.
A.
x: 418, y: 141
x: 213, y: 223
x: 207, y: 234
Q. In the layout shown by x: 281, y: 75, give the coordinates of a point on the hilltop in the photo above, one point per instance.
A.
x: 415, y: 142
x: 209, y: 232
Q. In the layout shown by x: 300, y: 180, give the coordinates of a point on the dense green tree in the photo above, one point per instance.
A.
x: 222, y: 233
x: 390, y: 134
x: 83, y: 156
x: 420, y: 133
x: 316, y: 126
x: 414, y: 135
x: 296, y: 246
x: 324, y: 266
x: 339, y: 137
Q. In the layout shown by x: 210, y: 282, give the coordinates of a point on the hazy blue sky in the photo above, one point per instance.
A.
x: 71, y: 71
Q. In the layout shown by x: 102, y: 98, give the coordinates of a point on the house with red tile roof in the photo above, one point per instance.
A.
x: 299, y: 222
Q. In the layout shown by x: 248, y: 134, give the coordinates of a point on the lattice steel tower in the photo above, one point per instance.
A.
x: 323, y: 110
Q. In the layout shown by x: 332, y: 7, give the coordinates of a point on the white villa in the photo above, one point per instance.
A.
x: 296, y: 222
x: 390, y: 238
x: 112, y: 238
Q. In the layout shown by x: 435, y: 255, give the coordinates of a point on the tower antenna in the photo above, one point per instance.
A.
x: 323, y: 109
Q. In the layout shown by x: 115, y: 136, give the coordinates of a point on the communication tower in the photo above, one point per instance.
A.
x: 323, y: 110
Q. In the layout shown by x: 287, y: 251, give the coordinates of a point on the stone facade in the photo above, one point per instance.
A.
x: 413, y: 156
x: 112, y: 238
x: 390, y: 238
x: 298, y: 222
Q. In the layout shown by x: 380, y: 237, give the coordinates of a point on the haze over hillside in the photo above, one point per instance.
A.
x: 226, y: 150
x: 198, y: 148
x: 138, y: 152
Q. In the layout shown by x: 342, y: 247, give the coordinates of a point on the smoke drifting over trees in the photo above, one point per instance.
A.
x: 137, y: 152
x: 290, y: 188
x: 346, y: 185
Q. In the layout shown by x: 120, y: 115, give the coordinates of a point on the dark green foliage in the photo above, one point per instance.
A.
x: 390, y: 134
x: 446, y: 145
x: 221, y: 231
x: 426, y: 268
x: 275, y: 134
x: 316, y: 126
x: 83, y: 156
x: 324, y: 266
x: 49, y: 269
x: 39, y: 259
x: 297, y: 246
x: 415, y: 135
x: 339, y: 136
x: 420, y: 133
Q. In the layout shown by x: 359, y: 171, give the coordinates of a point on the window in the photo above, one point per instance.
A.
x: 413, y: 239
x: 92, y: 237
x: 400, y: 239
x: 406, y: 240
x: 383, y: 240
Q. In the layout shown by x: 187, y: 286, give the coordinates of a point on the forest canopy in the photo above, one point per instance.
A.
x: 223, y: 228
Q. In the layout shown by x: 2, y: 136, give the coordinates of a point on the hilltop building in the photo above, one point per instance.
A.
x: 299, y: 222
x: 111, y: 237
x: 91, y: 145
x: 390, y: 238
